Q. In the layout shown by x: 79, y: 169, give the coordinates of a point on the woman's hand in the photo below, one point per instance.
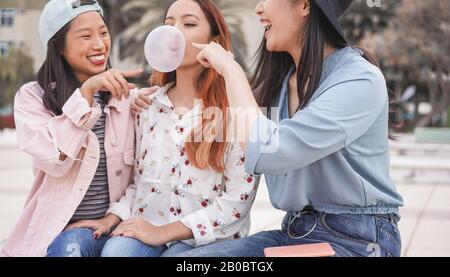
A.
x: 141, y: 230
x: 100, y: 226
x: 238, y: 88
x: 113, y: 81
x: 213, y: 55
x: 142, y: 99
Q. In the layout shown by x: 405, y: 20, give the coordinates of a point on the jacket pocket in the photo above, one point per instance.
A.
x: 128, y: 157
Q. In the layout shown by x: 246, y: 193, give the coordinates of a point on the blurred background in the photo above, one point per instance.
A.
x: 409, y: 38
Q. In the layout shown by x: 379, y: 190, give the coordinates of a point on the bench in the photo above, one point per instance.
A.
x: 432, y: 135
x: 420, y: 163
x: 410, y: 148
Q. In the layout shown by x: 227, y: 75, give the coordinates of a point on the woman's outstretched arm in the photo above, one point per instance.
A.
x: 244, y: 107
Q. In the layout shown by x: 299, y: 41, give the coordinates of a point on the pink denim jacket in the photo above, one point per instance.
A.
x: 60, y: 186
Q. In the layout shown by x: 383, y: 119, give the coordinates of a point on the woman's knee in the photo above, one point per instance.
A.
x: 116, y: 247
x: 176, y: 249
x: 129, y: 247
x: 71, y: 243
x: 251, y: 246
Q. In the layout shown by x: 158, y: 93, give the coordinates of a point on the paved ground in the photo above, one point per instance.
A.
x: 425, y: 224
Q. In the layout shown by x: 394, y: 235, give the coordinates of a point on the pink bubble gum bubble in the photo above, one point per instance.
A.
x: 164, y: 48
x: 175, y: 43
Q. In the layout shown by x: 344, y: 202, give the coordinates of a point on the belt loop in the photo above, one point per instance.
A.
x: 297, y: 216
x: 393, y: 219
x: 307, y: 209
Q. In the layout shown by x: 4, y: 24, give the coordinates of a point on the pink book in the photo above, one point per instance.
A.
x: 306, y: 250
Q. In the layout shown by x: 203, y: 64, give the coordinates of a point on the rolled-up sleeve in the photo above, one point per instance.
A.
x: 46, y: 137
x: 334, y: 120
x: 77, y: 110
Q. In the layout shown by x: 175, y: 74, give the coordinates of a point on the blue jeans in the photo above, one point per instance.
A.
x: 128, y: 247
x: 79, y: 242
x: 349, y: 235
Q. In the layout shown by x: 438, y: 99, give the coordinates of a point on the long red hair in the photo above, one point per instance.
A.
x: 208, y: 152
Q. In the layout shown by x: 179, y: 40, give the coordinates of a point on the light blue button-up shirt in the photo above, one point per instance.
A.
x: 332, y: 155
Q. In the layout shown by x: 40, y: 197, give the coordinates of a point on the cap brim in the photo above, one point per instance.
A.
x: 338, y: 29
x: 329, y: 11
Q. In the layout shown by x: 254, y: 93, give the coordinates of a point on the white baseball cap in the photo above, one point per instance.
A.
x: 57, y: 13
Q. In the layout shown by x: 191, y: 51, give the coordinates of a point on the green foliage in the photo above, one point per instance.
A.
x: 414, y: 49
x: 362, y: 19
x: 16, y: 68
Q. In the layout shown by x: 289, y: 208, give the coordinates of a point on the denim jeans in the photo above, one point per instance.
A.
x: 129, y: 247
x: 350, y: 236
x: 79, y: 242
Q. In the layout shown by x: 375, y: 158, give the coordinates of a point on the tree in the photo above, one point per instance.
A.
x: 113, y: 15
x: 363, y: 19
x: 16, y: 68
x: 414, y: 45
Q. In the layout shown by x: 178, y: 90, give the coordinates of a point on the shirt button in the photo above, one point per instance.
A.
x: 114, y: 143
x: 118, y: 172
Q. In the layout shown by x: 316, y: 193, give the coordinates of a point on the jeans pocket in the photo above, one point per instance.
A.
x: 389, y: 236
x: 357, y: 228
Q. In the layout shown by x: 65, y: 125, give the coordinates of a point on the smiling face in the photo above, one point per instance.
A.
x: 87, y: 45
x: 284, y: 22
x: 188, y: 17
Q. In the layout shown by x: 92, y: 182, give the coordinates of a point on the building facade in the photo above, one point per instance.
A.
x: 18, y: 27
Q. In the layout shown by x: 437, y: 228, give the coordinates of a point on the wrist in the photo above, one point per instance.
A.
x: 175, y: 231
x: 86, y: 91
x: 166, y: 234
x: 111, y: 221
x: 231, y: 69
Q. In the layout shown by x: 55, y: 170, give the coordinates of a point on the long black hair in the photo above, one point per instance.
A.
x: 273, y: 67
x: 56, y: 77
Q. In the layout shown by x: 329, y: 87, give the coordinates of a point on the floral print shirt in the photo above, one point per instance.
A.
x: 167, y: 188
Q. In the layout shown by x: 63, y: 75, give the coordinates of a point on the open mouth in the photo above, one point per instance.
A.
x: 97, y: 59
x: 267, y: 25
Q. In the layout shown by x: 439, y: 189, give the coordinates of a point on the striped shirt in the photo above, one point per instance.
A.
x: 96, y: 200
